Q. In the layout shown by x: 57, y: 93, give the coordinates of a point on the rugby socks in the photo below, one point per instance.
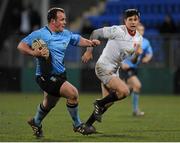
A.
x: 40, y: 114
x: 135, y: 101
x: 92, y: 119
x: 105, y: 102
x: 73, y: 111
x: 112, y: 97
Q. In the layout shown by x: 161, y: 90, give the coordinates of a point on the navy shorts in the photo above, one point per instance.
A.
x: 51, y: 84
x: 126, y: 74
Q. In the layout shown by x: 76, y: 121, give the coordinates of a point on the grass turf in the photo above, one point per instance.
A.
x: 160, y: 123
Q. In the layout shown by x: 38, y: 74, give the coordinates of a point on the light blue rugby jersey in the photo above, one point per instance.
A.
x: 147, y: 49
x: 57, y: 44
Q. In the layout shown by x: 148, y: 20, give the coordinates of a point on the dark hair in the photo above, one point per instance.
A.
x: 131, y: 12
x: 52, y: 13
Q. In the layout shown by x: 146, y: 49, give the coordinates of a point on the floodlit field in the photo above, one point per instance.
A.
x: 160, y: 123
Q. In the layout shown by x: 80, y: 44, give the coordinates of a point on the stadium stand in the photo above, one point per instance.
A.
x: 153, y: 11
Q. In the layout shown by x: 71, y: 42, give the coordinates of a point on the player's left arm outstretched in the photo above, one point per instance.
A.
x: 88, y: 43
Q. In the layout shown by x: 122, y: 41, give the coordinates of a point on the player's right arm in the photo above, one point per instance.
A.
x: 96, y: 34
x: 26, y: 43
x: 102, y: 33
x: 26, y: 49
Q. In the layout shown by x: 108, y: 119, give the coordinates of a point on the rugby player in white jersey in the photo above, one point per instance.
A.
x: 123, y: 42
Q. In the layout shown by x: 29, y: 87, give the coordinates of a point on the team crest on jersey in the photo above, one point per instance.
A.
x: 114, y: 29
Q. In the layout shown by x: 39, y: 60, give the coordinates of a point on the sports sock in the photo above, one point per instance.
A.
x: 135, y: 101
x: 92, y: 119
x: 40, y: 114
x: 112, y: 97
x: 73, y: 111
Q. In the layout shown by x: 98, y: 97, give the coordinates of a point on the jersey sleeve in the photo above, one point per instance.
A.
x: 112, y: 32
x: 30, y: 38
x: 148, y: 50
x: 75, y: 38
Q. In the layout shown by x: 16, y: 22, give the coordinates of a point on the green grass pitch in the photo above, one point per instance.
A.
x: 160, y: 123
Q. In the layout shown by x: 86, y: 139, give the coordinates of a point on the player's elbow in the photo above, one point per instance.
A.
x: 19, y: 47
x: 96, y: 34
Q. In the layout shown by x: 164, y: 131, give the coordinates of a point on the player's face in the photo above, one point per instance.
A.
x: 60, y: 22
x: 140, y: 29
x: 132, y: 22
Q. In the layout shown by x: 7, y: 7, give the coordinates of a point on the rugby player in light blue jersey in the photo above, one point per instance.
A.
x: 129, y: 71
x: 52, y: 78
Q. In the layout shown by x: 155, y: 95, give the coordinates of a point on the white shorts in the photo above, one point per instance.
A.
x: 105, y: 72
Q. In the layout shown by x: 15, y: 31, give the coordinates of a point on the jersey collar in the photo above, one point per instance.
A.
x: 132, y: 33
x: 48, y: 29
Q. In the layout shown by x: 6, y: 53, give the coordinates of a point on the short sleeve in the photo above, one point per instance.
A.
x: 112, y: 32
x: 30, y: 38
x: 75, y: 38
x: 148, y: 49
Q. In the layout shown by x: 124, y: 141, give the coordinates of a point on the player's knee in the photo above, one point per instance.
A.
x: 123, y: 92
x: 137, y: 88
x: 73, y: 95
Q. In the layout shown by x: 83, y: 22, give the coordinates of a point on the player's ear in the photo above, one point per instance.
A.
x: 53, y: 20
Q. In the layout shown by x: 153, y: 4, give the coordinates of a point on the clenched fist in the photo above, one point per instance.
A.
x: 95, y: 42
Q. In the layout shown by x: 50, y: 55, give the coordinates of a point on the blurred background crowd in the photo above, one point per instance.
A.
x: 160, y: 17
